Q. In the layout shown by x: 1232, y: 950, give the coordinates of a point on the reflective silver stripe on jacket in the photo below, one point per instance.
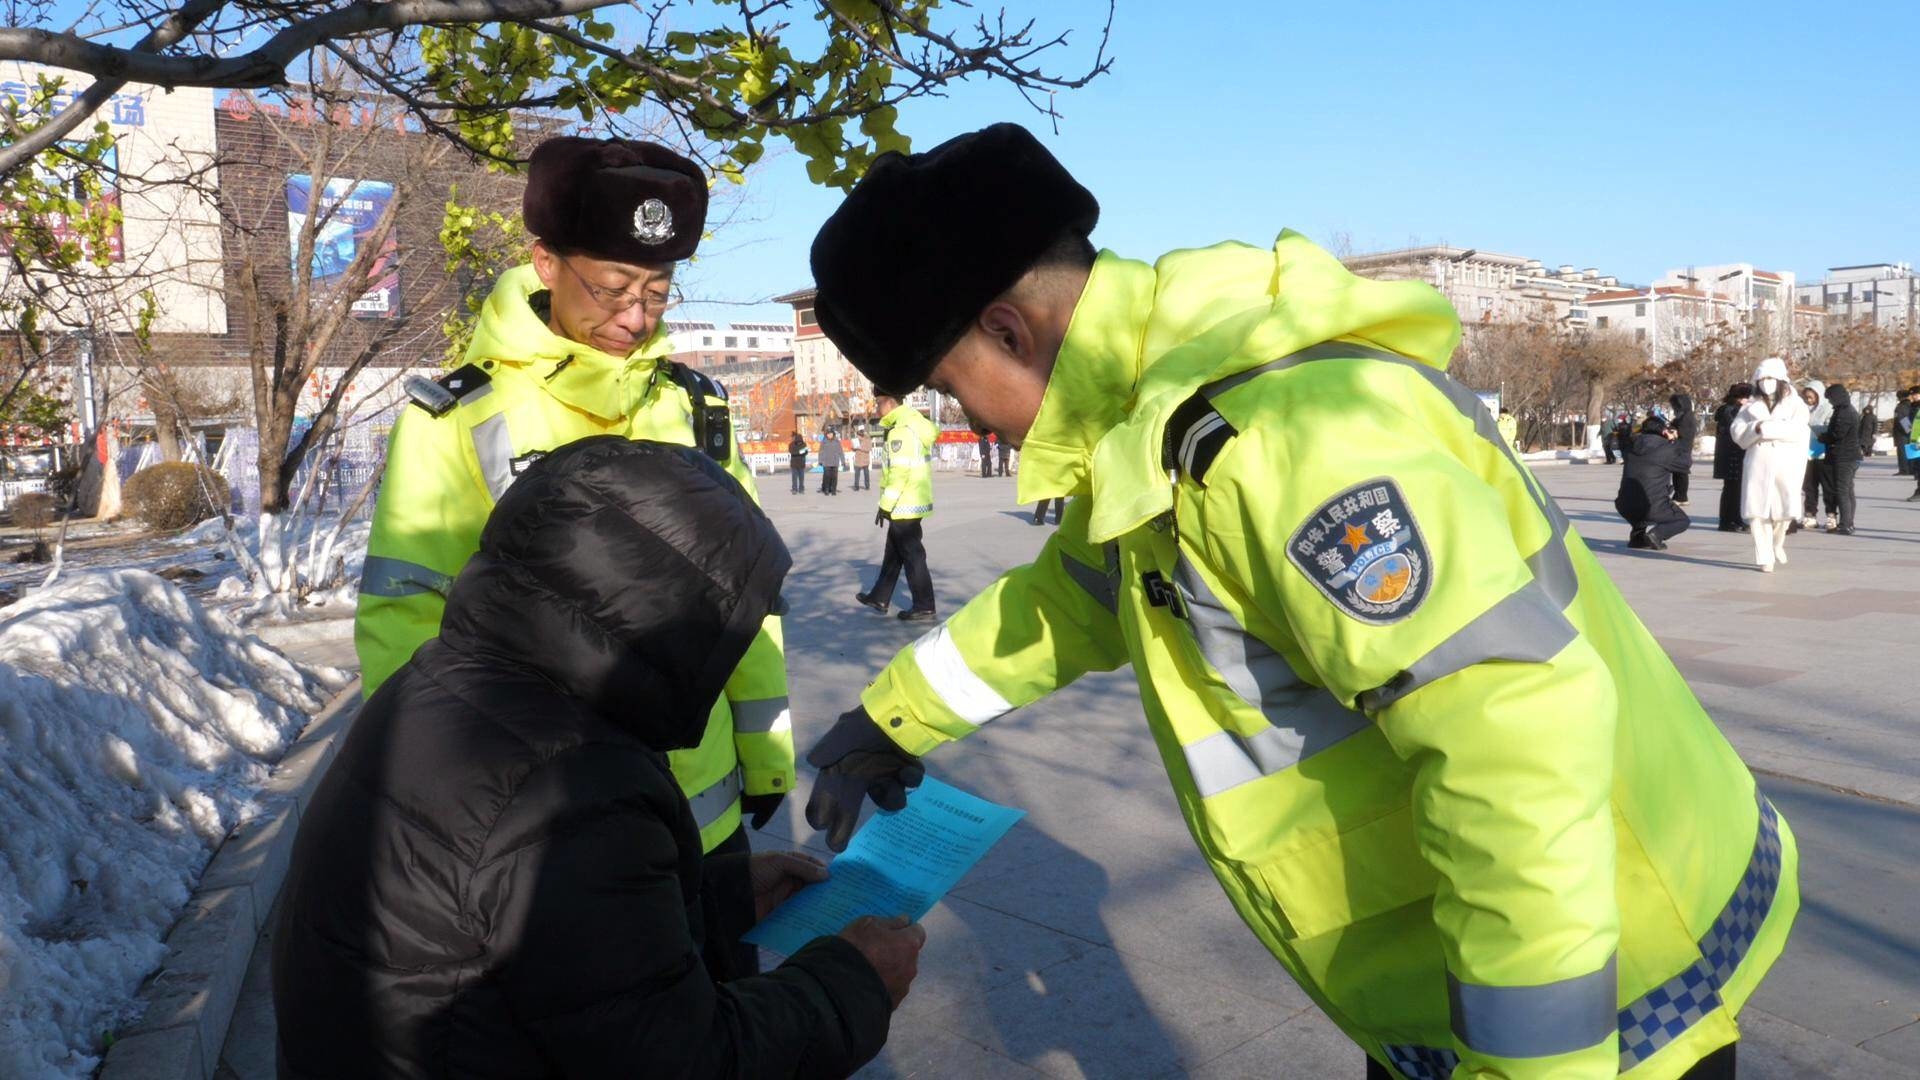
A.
x: 941, y: 664
x: 495, y: 448
x: 1525, y: 628
x: 1552, y: 566
x: 382, y: 576
x: 1306, y: 719
x: 1536, y: 1021
x: 911, y: 510
x: 762, y: 717
x: 1104, y: 589
x: 712, y: 804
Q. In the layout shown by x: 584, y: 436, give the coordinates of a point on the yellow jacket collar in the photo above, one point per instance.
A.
x: 511, y: 332
x: 1091, y: 387
x: 1144, y: 339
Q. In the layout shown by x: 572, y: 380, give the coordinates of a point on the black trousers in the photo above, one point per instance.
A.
x: 1006, y: 454
x: 1681, y: 481
x: 1665, y: 530
x: 1814, y: 486
x: 1040, y: 511
x: 830, y: 479
x: 731, y: 958
x: 1840, y: 476
x: 986, y: 462
x: 1715, y: 1066
x: 904, y: 549
x: 1730, y: 500
x: 799, y: 474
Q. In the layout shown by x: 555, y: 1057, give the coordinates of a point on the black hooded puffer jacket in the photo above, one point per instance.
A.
x: 498, y: 876
x: 1843, y: 429
x: 1686, y: 423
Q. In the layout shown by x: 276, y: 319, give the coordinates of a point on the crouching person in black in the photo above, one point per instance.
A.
x: 498, y: 876
x: 1646, y: 487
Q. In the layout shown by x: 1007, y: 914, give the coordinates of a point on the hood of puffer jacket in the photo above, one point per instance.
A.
x: 1837, y: 396
x: 633, y: 575
x: 1821, y: 411
x: 1682, y: 404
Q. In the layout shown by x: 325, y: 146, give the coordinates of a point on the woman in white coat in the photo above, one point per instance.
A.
x: 1772, y: 428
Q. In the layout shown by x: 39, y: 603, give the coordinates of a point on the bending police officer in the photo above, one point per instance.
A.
x: 1438, y: 766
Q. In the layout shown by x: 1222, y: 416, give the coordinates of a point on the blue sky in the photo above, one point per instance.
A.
x: 1633, y: 138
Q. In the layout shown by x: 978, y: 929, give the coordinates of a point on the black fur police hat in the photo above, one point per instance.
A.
x: 924, y: 241
x: 616, y: 199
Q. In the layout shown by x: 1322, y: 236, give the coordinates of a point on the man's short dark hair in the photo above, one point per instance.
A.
x: 1069, y: 250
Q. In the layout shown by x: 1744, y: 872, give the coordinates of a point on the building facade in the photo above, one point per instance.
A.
x: 709, y: 346
x: 1487, y: 286
x: 827, y: 387
x: 1886, y: 294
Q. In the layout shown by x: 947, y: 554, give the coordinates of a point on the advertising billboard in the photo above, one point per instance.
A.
x: 348, y: 211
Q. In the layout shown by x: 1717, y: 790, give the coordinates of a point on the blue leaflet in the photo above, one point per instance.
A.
x: 897, y: 864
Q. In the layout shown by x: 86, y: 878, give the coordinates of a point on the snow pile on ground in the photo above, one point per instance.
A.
x: 135, y: 728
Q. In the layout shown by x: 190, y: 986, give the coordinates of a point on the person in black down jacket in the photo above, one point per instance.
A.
x: 498, y: 876
x: 1842, y: 459
x: 1686, y: 428
x: 1646, y: 487
x: 1729, y: 461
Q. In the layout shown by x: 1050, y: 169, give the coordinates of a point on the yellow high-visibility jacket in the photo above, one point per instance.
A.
x: 906, y: 482
x: 1435, y: 761
x: 528, y: 391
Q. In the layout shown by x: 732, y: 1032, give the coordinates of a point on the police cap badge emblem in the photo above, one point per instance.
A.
x: 652, y: 222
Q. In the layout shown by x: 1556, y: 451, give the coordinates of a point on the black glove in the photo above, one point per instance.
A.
x: 761, y: 808
x: 857, y: 760
x: 879, y: 517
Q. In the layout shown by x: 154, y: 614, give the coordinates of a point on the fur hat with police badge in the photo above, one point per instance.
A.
x: 924, y: 241
x: 615, y: 199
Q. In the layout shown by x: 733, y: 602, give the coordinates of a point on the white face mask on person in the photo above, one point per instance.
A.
x: 1768, y: 386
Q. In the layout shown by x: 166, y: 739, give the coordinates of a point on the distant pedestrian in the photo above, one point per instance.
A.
x: 1509, y: 427
x: 797, y: 463
x: 1686, y: 429
x: 1645, y: 499
x: 862, y: 458
x: 1813, y: 486
x: 1869, y: 430
x: 832, y: 455
x: 1005, y: 450
x: 1622, y: 436
x: 1900, y: 428
x: 1040, y: 511
x: 986, y: 455
x: 1842, y: 459
x: 1906, y: 437
x: 1728, y: 459
x: 1772, y: 427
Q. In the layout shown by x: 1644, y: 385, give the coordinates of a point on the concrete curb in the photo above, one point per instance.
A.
x: 187, y: 1005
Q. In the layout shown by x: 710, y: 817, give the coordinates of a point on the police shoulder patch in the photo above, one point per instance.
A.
x: 1364, y: 551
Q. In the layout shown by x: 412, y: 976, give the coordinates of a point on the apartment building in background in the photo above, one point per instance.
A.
x: 712, y: 346
x: 1489, y: 286
x: 1887, y: 294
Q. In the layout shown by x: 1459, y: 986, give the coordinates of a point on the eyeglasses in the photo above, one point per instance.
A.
x: 615, y: 301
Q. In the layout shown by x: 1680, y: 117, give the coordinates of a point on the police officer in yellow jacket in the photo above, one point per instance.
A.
x: 570, y: 346
x: 906, y: 498
x: 1435, y: 761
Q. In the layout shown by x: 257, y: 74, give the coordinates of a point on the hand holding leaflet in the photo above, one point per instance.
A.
x: 897, y: 864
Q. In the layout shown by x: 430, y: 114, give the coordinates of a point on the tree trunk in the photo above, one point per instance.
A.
x: 1596, y: 412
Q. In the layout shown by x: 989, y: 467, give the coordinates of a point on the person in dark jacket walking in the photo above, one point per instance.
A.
x: 1901, y: 429
x: 1646, y: 487
x: 1005, y: 450
x: 797, y: 463
x: 1686, y: 429
x: 1729, y: 461
x: 499, y: 877
x: 1842, y: 459
x: 832, y: 456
